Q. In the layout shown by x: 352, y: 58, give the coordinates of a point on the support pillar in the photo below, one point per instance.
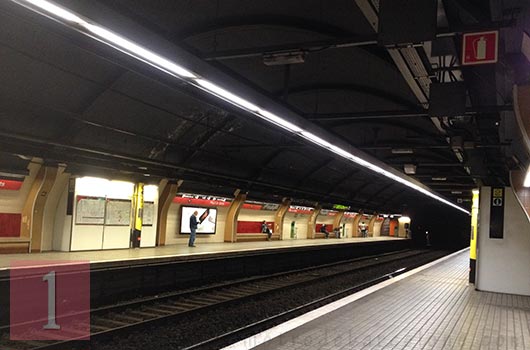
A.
x: 371, y: 224
x: 311, y: 223
x: 231, y: 216
x: 280, y: 216
x: 164, y: 202
x: 473, y: 236
x: 33, y: 211
x: 355, y: 229
x: 337, y: 220
x: 137, y: 215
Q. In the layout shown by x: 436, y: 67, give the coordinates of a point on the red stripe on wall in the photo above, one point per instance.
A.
x: 252, y: 226
x: 10, y: 225
x: 329, y: 227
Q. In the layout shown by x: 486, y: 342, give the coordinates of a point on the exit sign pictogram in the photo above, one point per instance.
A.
x: 480, y: 48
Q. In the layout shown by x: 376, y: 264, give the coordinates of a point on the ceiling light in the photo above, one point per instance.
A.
x: 402, y: 151
x: 527, y: 178
x: 283, y: 58
x: 410, y: 169
x: 227, y: 95
x: 456, y: 192
x: 315, y: 139
x: 54, y: 10
x: 439, y: 178
x: 273, y: 118
x: 137, y: 51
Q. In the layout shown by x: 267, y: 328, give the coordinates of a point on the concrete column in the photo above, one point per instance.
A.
x: 164, y: 202
x: 311, y: 222
x: 371, y: 225
x: 337, y: 220
x: 279, y: 217
x: 137, y: 215
x: 33, y: 210
x: 355, y: 228
x: 231, y: 216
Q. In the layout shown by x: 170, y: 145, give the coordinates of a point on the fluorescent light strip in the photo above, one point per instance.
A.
x: 132, y: 49
x: 273, y: 118
x: 227, y: 95
x: 55, y: 10
x: 121, y: 43
x: 137, y: 51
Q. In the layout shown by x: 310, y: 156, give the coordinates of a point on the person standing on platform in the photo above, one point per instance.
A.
x: 266, y: 229
x: 193, y: 228
x: 364, y: 229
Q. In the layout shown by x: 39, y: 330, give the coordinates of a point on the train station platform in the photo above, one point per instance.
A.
x: 434, y: 308
x: 129, y: 257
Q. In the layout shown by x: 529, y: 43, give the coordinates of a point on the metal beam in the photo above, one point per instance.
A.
x: 307, y: 46
x: 328, y: 117
x: 356, y: 88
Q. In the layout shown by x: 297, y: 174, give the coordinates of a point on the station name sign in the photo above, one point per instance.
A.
x: 298, y: 209
x: 326, y: 212
x: 11, y: 185
x: 201, y: 200
x: 260, y: 206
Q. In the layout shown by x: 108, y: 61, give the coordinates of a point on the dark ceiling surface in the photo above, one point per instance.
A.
x: 71, y: 100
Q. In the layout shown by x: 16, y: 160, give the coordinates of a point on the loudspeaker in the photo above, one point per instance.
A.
x: 406, y: 21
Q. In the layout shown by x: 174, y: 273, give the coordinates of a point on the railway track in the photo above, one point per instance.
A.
x: 130, y: 316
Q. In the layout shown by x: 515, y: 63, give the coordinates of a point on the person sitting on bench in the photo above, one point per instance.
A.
x: 324, y: 230
x: 266, y: 229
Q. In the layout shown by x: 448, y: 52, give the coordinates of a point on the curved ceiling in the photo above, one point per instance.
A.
x: 69, y: 99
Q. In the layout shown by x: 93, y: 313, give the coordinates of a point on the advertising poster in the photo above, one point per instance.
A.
x: 207, y: 220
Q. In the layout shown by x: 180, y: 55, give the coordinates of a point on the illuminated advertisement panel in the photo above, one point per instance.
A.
x: 207, y: 220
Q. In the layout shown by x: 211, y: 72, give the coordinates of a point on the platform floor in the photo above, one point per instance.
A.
x: 180, y: 250
x: 433, y: 309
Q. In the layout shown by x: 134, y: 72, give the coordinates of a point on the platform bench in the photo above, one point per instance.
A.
x: 14, y: 245
x: 319, y: 234
x: 254, y: 237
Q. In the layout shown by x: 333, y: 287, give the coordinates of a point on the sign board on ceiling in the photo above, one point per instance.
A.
x: 260, y: 206
x: 298, y: 209
x: 10, y: 185
x: 201, y: 200
x: 480, y: 48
